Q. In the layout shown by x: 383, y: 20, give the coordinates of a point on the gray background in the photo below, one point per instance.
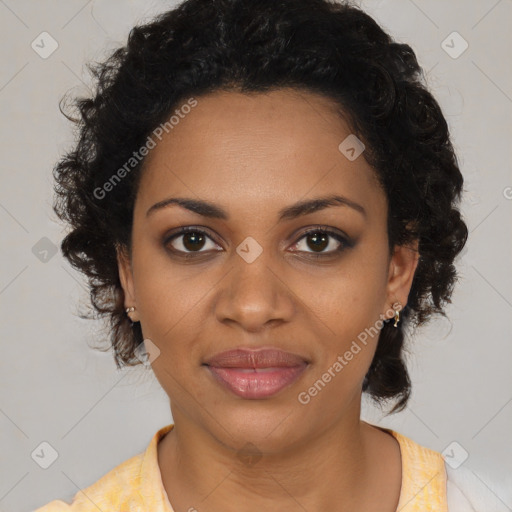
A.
x: 54, y: 387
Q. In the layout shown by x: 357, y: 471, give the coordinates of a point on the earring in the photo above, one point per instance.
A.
x: 397, y: 313
x: 130, y: 310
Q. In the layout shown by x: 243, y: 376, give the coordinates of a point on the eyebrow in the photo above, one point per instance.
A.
x: 208, y: 209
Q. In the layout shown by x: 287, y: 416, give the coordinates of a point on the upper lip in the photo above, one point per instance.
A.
x: 251, y: 358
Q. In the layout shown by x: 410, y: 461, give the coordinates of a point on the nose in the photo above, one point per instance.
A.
x: 254, y: 296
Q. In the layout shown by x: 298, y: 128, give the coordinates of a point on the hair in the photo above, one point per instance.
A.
x: 319, y: 46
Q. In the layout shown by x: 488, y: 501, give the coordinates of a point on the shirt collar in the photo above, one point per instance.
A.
x: 152, y: 490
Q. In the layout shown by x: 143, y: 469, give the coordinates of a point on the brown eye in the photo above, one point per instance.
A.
x: 189, y: 240
x: 320, y: 242
x: 193, y: 241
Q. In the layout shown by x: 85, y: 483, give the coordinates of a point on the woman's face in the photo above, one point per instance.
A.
x: 253, y: 278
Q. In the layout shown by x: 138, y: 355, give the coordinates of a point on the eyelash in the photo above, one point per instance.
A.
x: 345, y: 243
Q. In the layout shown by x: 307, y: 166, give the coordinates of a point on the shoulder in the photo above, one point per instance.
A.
x: 115, y: 489
x: 133, y: 485
x: 467, y: 492
x: 457, y: 490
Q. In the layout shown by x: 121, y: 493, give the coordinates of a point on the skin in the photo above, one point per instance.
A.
x: 253, y: 155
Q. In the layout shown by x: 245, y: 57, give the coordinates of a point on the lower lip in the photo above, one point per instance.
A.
x: 254, y: 384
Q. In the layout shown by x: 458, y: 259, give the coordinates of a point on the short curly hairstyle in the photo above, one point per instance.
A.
x: 320, y: 46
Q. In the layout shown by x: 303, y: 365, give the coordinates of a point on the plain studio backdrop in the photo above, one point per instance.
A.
x: 56, y: 389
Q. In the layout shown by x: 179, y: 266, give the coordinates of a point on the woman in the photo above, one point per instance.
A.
x: 264, y: 196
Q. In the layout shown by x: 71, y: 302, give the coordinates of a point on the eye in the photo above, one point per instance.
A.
x: 190, y: 240
x: 322, y: 241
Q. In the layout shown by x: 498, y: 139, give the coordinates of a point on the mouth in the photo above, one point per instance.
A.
x: 255, y: 374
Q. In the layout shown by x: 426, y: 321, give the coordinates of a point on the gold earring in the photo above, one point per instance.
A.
x: 397, y: 313
x: 130, y: 310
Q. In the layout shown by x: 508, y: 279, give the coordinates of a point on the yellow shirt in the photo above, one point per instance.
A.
x: 136, y: 484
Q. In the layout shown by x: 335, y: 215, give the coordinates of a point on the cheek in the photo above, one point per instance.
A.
x: 350, y: 299
x: 350, y: 308
x: 347, y: 309
x: 171, y: 302
x: 173, y: 317
x: 161, y: 286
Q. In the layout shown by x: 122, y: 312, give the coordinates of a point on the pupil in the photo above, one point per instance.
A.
x: 194, y: 238
x: 319, y: 241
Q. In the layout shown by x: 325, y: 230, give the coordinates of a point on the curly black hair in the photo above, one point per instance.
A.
x: 250, y: 46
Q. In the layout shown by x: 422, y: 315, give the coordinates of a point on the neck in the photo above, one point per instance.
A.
x: 333, y: 469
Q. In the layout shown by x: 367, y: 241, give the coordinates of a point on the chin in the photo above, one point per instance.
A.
x: 269, y: 427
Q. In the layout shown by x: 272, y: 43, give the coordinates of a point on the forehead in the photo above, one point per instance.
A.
x: 256, y: 148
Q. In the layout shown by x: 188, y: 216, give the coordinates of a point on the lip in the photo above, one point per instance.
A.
x: 256, y: 374
x: 255, y: 358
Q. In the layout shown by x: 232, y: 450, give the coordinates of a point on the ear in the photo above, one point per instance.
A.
x: 125, y: 276
x: 402, y: 266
